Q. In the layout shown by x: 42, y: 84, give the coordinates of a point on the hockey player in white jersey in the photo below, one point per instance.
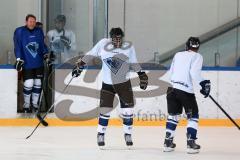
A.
x: 61, y: 42
x: 118, y: 57
x: 185, y: 68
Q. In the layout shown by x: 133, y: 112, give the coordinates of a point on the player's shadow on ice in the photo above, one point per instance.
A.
x: 125, y: 148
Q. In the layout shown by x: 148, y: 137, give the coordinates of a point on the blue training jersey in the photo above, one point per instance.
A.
x: 29, y: 46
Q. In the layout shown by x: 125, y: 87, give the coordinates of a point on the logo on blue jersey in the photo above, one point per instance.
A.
x: 114, y: 64
x: 32, y: 48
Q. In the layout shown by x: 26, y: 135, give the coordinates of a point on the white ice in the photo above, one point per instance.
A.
x: 79, y: 143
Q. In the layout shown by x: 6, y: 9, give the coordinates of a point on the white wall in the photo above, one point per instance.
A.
x: 12, y: 15
x: 153, y: 25
x: 160, y: 25
x: 115, y: 13
x: 8, y: 94
x: 79, y: 16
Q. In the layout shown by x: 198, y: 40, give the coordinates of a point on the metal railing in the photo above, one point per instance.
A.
x: 203, y: 38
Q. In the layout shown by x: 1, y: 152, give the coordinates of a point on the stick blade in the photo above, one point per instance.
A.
x: 41, y: 120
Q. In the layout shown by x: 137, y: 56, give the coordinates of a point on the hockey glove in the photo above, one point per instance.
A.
x: 76, y: 71
x: 206, y: 88
x: 47, y: 60
x: 66, y: 41
x: 52, y: 56
x: 19, y: 64
x: 143, y: 80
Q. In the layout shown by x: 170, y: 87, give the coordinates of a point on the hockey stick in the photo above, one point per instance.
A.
x: 41, y: 119
x: 44, y: 123
x: 224, y: 112
x: 43, y: 93
x: 40, y: 103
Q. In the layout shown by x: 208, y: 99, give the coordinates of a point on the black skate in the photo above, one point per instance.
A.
x: 35, y: 110
x: 169, y: 146
x: 100, y: 139
x: 128, y: 140
x: 27, y: 110
x: 192, y: 147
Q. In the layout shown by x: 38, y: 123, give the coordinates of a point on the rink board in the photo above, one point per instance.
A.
x: 225, y: 88
x: 112, y: 122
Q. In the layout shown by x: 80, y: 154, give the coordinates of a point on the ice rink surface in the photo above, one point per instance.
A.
x: 79, y: 143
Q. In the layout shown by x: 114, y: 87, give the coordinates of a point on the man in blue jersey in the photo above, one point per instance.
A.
x: 30, y: 52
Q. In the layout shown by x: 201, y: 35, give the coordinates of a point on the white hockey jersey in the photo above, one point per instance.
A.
x: 116, y: 62
x: 56, y: 45
x: 185, y: 68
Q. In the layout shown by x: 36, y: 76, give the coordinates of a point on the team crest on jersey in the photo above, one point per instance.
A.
x: 32, y: 48
x: 114, y: 64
